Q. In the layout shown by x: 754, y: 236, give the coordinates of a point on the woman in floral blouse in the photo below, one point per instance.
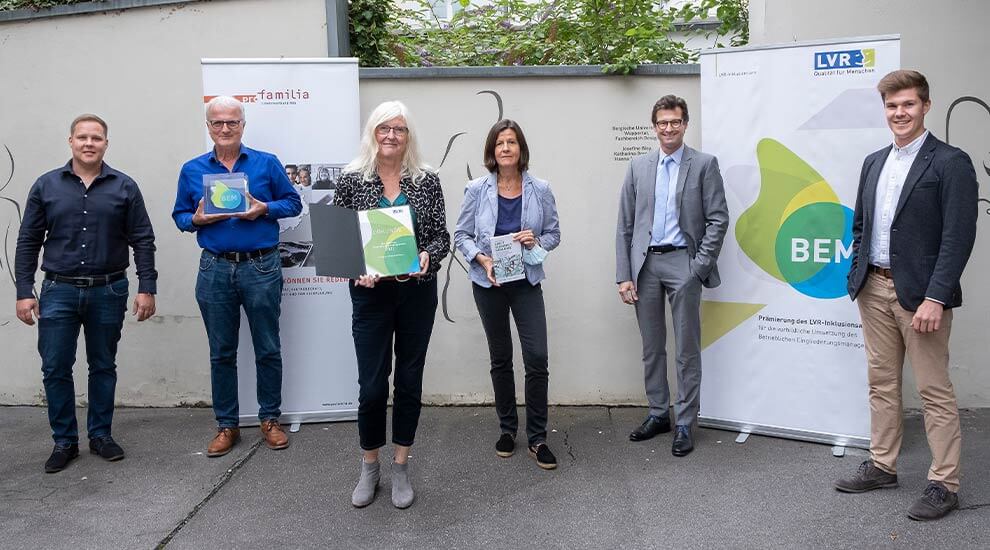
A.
x: 393, y: 310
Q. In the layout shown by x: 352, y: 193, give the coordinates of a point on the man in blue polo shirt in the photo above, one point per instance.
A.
x: 239, y: 268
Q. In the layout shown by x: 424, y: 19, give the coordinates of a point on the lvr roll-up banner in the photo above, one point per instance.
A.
x: 306, y: 112
x: 782, y: 343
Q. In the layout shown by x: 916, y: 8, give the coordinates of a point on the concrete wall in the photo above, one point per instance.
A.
x: 571, y: 126
x: 139, y: 68
x: 948, y: 42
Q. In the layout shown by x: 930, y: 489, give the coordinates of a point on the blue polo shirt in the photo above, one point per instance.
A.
x: 267, y: 182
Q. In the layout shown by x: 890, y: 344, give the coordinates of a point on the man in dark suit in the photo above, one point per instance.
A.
x: 672, y: 220
x: 913, y: 231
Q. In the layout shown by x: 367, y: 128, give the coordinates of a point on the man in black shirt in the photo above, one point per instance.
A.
x: 85, y: 215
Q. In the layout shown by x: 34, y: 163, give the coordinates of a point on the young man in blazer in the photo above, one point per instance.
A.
x: 913, y: 231
x: 672, y: 219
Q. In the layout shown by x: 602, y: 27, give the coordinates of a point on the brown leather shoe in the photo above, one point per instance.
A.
x: 223, y: 442
x: 275, y: 436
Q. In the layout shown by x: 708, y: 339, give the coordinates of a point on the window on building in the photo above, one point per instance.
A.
x: 446, y: 9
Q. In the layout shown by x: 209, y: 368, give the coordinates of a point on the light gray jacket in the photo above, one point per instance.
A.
x: 701, y: 214
x: 479, y: 214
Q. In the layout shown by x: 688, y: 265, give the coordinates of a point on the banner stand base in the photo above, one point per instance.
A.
x: 294, y: 427
x: 746, y: 428
x: 838, y: 451
x: 742, y: 437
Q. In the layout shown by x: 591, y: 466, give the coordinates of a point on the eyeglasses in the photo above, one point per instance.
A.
x: 384, y: 130
x: 219, y: 124
x: 674, y: 124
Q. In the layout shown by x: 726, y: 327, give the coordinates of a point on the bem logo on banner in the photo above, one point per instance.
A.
x: 797, y: 231
x: 845, y: 59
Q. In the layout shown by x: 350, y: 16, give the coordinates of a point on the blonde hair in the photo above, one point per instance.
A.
x: 366, y: 161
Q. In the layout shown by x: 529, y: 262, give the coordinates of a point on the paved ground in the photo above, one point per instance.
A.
x: 607, y: 492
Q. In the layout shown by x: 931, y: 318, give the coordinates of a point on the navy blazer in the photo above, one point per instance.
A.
x: 934, y: 225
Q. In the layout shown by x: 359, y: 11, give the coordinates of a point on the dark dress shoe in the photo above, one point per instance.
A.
x: 867, y: 478
x: 106, y: 448
x: 60, y: 458
x: 651, y: 427
x: 682, y: 442
x: 934, y: 504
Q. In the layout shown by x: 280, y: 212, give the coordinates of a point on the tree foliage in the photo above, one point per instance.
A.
x: 619, y: 34
x: 369, y: 30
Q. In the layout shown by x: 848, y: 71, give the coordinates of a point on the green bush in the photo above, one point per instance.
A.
x: 369, y: 32
x: 619, y: 34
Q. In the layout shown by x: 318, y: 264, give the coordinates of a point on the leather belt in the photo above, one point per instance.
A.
x: 882, y: 271
x: 664, y: 249
x: 87, y: 281
x: 245, y: 256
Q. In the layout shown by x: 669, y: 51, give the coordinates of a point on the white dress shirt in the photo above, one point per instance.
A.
x: 889, y: 186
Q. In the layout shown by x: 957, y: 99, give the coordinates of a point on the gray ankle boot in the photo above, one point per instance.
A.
x: 367, y: 485
x: 402, y: 491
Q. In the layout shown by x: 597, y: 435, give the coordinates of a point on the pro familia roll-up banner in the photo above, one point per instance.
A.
x: 305, y: 111
x: 782, y: 343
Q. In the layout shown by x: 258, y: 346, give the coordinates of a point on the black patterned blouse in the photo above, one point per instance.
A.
x: 426, y: 199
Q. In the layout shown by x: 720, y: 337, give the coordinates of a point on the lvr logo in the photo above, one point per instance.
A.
x: 848, y: 59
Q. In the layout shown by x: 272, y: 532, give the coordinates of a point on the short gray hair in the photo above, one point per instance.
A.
x: 225, y: 101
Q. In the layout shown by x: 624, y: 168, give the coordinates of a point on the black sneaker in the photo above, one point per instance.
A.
x: 867, y: 478
x: 60, y: 458
x: 544, y: 458
x: 506, y: 445
x: 934, y: 504
x: 106, y: 448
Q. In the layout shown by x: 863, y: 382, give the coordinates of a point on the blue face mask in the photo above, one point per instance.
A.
x: 534, y: 256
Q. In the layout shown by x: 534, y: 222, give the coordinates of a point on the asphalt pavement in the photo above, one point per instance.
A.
x: 607, y: 492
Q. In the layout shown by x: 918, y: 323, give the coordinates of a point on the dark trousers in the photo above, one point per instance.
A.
x: 223, y: 289
x: 525, y: 302
x: 392, y: 315
x: 100, y: 312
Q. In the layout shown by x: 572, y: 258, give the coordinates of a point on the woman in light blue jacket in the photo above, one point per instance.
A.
x: 509, y: 201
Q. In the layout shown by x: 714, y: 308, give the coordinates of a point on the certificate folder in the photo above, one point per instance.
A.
x: 350, y: 243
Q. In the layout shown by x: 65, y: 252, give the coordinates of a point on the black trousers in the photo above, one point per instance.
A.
x: 525, y: 302
x: 400, y: 315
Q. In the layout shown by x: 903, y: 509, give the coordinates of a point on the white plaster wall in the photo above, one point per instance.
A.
x: 139, y: 69
x: 594, y: 342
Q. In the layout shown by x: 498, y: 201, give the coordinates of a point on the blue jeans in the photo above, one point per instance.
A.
x: 223, y: 288
x: 100, y: 311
